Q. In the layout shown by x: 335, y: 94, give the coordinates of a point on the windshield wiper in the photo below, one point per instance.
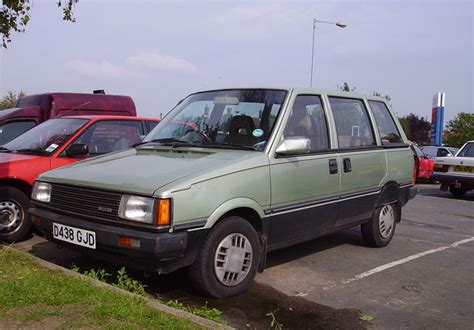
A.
x: 227, y: 146
x: 35, y: 151
x: 3, y: 149
x: 167, y: 142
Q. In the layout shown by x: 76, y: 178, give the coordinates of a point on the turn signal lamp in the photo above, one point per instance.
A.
x: 163, y: 217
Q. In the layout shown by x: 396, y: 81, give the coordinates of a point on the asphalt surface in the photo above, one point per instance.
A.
x: 423, y: 279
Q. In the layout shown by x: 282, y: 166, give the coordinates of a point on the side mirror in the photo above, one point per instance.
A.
x: 77, y: 150
x: 294, y: 146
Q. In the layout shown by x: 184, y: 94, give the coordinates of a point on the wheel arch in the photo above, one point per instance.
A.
x: 389, y: 194
x: 245, y: 208
x: 21, y: 185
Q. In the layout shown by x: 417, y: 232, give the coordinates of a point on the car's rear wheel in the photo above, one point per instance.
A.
x: 379, y: 231
x: 15, y: 223
x: 457, y: 192
x: 227, y: 261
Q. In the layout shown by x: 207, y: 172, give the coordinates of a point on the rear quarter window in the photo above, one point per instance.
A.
x: 386, y: 126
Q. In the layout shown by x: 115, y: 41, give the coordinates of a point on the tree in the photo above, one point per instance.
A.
x: 417, y: 129
x: 460, y: 129
x: 15, y: 15
x: 9, y: 100
x: 346, y: 88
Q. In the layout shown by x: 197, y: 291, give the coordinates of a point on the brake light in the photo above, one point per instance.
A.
x: 164, y: 212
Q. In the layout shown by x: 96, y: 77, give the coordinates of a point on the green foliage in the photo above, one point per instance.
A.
x: 209, y: 313
x: 366, y: 318
x: 127, y: 283
x: 273, y: 322
x: 460, y: 129
x: 212, y: 314
x: 99, y: 274
x: 9, y: 100
x: 417, y: 129
x: 31, y: 293
x: 15, y: 15
x: 123, y: 280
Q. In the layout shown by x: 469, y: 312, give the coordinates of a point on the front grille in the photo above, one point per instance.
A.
x: 85, y: 202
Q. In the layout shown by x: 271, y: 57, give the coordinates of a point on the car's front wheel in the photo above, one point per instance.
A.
x: 379, y: 231
x: 15, y: 223
x: 227, y: 261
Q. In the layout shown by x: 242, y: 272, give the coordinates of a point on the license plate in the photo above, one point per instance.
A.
x: 465, y: 169
x: 74, y: 235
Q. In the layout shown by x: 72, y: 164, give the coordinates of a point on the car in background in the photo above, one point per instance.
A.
x: 456, y: 173
x: 54, y: 143
x: 32, y: 110
x: 423, y: 164
x: 437, y: 151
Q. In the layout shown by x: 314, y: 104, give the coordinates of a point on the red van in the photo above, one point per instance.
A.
x: 31, y: 110
x: 54, y: 143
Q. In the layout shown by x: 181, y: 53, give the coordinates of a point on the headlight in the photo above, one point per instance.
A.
x: 41, y: 192
x: 137, y: 208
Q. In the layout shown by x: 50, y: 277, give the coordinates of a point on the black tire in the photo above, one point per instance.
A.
x: 203, y: 271
x: 374, y: 233
x: 14, y: 204
x: 457, y: 192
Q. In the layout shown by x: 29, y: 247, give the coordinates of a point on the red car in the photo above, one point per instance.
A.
x: 424, y: 165
x: 52, y: 144
x: 32, y: 110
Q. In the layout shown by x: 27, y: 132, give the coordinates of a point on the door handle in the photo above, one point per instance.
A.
x: 333, y: 166
x: 347, y: 165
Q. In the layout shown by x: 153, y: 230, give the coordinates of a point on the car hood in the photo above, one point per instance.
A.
x: 8, y: 158
x: 468, y: 161
x: 145, y: 170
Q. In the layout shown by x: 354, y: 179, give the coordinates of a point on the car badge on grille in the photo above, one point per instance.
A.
x: 105, y: 209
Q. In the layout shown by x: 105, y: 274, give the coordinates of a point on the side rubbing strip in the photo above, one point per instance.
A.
x: 322, y: 201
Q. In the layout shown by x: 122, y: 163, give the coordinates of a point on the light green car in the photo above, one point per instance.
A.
x: 230, y: 175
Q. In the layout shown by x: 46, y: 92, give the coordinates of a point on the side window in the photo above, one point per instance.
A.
x: 353, y: 126
x: 9, y: 131
x: 429, y: 151
x: 107, y: 136
x: 387, y: 129
x: 151, y: 125
x: 442, y: 152
x: 307, y: 119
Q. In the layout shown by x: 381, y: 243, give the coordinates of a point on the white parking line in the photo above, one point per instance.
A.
x: 407, y: 259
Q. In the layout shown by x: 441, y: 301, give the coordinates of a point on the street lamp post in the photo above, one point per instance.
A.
x: 339, y: 24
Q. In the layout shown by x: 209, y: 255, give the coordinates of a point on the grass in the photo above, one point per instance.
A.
x: 204, y: 311
x: 33, y: 296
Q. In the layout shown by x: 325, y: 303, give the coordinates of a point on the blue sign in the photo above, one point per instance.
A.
x: 437, y: 119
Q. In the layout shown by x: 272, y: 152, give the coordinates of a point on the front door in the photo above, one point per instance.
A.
x: 305, y: 187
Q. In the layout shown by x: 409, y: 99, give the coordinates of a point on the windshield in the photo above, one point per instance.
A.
x: 467, y: 151
x: 45, y: 138
x: 239, y: 118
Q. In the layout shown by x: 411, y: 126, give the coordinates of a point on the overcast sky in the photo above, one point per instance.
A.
x: 158, y: 52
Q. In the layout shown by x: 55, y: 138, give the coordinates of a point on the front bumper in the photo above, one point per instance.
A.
x: 162, y: 252
x: 464, y: 182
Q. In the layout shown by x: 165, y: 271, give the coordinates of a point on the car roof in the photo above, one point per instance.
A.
x: 300, y: 90
x: 110, y: 117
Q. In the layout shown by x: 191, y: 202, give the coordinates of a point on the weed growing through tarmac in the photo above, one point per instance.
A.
x: 206, y: 312
x: 366, y: 318
x: 123, y: 280
x: 273, y: 322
